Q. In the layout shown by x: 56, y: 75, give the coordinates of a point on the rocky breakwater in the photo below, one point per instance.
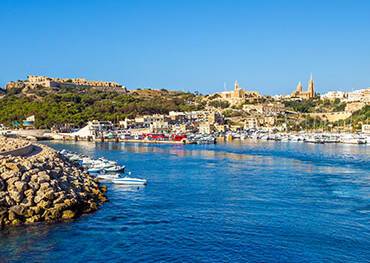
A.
x: 45, y: 187
x: 10, y: 144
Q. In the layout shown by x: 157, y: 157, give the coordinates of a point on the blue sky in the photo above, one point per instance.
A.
x: 190, y: 45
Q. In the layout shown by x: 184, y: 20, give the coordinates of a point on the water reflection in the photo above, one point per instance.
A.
x: 128, y: 188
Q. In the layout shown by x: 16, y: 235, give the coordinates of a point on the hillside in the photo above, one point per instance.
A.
x: 360, y: 117
x: 76, y: 106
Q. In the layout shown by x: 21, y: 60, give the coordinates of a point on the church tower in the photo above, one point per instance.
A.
x: 311, y: 88
x: 236, y: 89
x: 299, y: 88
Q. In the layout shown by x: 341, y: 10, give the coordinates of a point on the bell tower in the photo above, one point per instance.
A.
x: 236, y: 89
x: 299, y: 87
x: 311, y: 88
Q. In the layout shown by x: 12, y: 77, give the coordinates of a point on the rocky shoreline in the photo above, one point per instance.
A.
x: 45, y: 187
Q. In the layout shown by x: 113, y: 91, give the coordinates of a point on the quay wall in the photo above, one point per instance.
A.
x: 68, y: 138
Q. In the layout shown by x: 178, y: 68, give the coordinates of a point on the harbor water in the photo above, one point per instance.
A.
x: 235, y: 202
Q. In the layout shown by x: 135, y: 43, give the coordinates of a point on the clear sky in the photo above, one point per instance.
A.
x: 190, y: 45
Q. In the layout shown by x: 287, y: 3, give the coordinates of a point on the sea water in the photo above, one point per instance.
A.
x: 236, y: 202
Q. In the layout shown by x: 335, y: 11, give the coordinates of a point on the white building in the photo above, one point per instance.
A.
x: 100, y: 126
x: 159, y: 126
x: 332, y: 95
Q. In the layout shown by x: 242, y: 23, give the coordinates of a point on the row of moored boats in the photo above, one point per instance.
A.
x: 103, y: 169
x: 309, y: 137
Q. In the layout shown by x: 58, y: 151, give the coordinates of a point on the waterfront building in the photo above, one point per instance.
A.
x: 206, y: 128
x: 100, y: 126
x: 127, y: 123
x: 177, y: 116
x: 221, y: 127
x: 147, y: 120
x: 159, y: 127
x: 309, y: 94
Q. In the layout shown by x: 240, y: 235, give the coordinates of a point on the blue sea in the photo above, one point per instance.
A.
x: 236, y: 202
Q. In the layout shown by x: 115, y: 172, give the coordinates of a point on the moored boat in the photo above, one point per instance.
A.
x: 129, y: 181
x: 107, y: 177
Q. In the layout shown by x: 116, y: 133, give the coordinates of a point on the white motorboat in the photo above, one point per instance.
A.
x: 129, y: 181
x: 107, y: 177
x: 106, y: 162
x: 87, y: 161
x: 116, y: 168
x: 95, y: 169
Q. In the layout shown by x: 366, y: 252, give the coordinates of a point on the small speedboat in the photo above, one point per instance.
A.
x: 95, y: 169
x: 87, y: 161
x: 116, y: 168
x: 107, y: 177
x: 129, y: 181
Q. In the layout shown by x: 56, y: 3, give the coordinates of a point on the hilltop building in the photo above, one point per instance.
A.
x: 55, y: 82
x: 309, y: 94
x: 362, y: 95
x: 33, y: 82
x: 238, y: 95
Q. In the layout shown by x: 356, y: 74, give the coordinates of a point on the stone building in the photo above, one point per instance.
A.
x: 309, y: 94
x: 206, y: 128
x: 54, y: 82
x: 238, y: 95
x: 251, y: 123
x: 34, y: 82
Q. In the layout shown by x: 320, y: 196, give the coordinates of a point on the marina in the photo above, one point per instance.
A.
x: 270, y: 200
x: 185, y: 131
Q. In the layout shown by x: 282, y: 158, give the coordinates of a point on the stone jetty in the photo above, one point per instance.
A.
x: 44, y: 186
